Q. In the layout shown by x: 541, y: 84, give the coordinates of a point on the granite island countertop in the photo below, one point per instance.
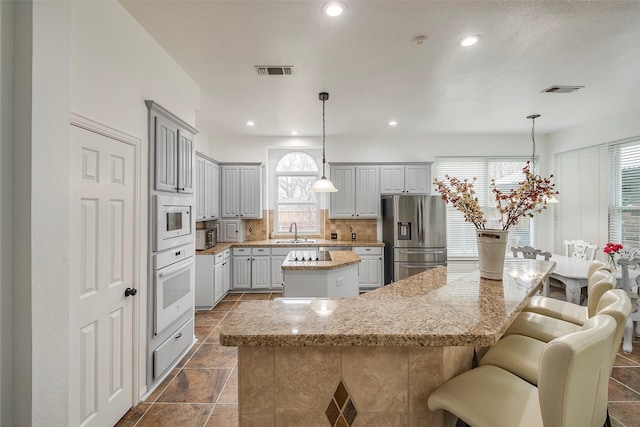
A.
x: 339, y: 259
x: 439, y: 307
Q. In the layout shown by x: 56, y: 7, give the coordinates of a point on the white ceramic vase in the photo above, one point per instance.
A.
x: 492, y: 246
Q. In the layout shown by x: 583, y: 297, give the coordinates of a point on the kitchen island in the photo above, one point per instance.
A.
x: 373, y: 359
x: 329, y: 274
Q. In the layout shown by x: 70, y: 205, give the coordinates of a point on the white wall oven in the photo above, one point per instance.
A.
x: 174, y: 276
x: 174, y: 222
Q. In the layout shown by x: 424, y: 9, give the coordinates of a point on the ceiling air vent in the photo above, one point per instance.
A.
x: 274, y: 70
x: 562, y: 89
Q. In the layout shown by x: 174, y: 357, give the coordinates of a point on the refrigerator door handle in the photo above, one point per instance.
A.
x: 420, y: 251
x: 420, y: 220
x: 420, y: 266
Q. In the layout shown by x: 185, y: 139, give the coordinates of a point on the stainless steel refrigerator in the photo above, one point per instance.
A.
x: 414, y: 230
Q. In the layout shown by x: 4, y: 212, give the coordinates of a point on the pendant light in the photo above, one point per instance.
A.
x: 323, y: 185
x: 533, y: 118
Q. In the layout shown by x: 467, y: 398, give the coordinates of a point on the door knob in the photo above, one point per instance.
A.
x: 130, y: 291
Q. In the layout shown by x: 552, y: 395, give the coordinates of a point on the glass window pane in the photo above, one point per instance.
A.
x: 296, y: 189
x: 304, y: 216
x: 299, y: 162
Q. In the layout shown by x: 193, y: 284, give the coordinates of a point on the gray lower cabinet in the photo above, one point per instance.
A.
x: 212, y: 279
x: 251, y: 268
x: 241, y: 270
x: 370, y: 269
x: 170, y: 349
x: 260, y: 267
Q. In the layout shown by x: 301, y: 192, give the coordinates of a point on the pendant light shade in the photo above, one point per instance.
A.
x: 323, y: 185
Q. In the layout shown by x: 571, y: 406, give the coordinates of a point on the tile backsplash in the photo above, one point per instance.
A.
x: 365, y: 229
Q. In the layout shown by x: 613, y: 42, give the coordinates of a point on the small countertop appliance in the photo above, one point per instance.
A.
x: 206, y: 238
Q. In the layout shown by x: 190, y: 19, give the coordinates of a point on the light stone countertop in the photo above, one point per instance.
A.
x: 221, y: 246
x: 339, y: 259
x: 439, y: 307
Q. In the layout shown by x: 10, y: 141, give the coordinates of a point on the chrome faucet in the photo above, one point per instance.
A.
x: 295, y: 227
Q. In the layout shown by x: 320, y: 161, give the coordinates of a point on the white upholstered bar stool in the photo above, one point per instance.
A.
x: 519, y: 354
x: 488, y: 396
x: 545, y: 328
x: 574, y: 313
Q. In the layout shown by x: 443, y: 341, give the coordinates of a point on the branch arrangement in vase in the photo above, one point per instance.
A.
x: 529, y: 197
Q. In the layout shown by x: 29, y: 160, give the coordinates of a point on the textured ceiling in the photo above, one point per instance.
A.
x: 373, y: 71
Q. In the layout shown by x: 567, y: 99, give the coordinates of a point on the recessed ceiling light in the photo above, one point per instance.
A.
x: 469, y: 40
x: 294, y: 132
x: 393, y: 123
x: 420, y: 40
x: 333, y: 8
x: 250, y: 123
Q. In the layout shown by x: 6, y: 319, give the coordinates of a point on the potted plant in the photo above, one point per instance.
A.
x: 528, y: 198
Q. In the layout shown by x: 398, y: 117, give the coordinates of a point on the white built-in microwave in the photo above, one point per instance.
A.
x: 174, y: 222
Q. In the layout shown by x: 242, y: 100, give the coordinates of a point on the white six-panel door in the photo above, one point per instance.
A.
x: 102, y: 190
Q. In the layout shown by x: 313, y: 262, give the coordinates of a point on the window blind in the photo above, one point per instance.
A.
x: 582, y: 178
x: 461, y: 236
x: 624, y: 193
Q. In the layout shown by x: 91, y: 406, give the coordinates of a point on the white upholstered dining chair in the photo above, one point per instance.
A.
x: 529, y: 252
x: 631, y: 288
x: 580, y: 249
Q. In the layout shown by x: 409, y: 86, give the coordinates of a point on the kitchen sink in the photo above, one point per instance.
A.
x: 296, y: 241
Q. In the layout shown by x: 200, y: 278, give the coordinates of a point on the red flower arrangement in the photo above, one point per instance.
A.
x: 612, y: 249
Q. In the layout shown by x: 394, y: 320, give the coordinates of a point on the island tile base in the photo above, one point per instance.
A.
x: 316, y: 386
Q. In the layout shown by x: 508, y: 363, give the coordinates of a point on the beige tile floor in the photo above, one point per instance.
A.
x: 202, y: 390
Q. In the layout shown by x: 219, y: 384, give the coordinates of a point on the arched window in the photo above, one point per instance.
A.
x: 295, y: 202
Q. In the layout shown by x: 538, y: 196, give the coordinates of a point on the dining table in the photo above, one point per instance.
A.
x: 573, y: 273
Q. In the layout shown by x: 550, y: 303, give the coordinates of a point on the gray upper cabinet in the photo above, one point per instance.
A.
x: 172, y: 141
x: 358, y: 193
x: 207, y: 189
x: 186, y: 152
x: 405, y: 179
x: 166, y: 161
x: 342, y: 204
x: 242, y: 190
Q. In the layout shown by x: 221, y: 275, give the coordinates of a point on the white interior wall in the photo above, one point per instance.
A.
x: 115, y: 67
x: 6, y: 141
x: 50, y: 213
x: 94, y: 59
x: 607, y: 129
x: 402, y: 148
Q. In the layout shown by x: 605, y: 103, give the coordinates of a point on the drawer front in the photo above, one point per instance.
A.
x: 260, y: 251
x: 284, y: 250
x: 241, y: 251
x: 373, y: 250
x: 219, y: 258
x: 168, y: 351
x: 226, y: 254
